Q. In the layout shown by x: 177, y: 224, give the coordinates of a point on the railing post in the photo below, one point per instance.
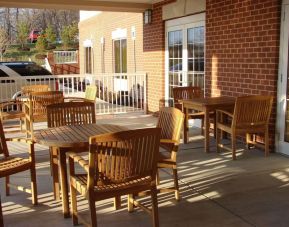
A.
x: 145, y: 94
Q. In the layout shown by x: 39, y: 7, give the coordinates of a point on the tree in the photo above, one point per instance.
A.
x: 69, y: 35
x: 41, y: 43
x: 4, y: 41
x: 22, y: 32
x: 50, y: 34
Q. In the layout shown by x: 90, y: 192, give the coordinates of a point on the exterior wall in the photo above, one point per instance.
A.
x: 102, y: 25
x: 242, y: 49
x: 154, y: 56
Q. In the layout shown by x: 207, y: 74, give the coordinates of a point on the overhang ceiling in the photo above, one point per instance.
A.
x: 95, y: 5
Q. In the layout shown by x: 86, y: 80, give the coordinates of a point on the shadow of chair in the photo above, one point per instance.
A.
x: 36, y: 107
x: 89, y: 96
x: 68, y: 113
x: 251, y: 116
x: 122, y: 163
x: 171, y: 122
x: 10, y: 165
x: 180, y: 93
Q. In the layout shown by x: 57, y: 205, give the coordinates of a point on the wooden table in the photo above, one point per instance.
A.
x: 70, y: 138
x: 207, y: 105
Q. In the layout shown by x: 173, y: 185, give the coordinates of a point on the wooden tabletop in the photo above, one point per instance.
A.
x: 73, y: 135
x: 209, y: 101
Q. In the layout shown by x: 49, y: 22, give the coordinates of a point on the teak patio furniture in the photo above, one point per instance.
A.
x: 28, y: 89
x: 89, y: 96
x: 121, y: 163
x: 171, y: 122
x: 68, y: 113
x: 206, y: 105
x: 12, y: 110
x: 10, y: 165
x: 189, y: 93
x: 36, y: 107
x: 251, y: 116
x: 71, y: 138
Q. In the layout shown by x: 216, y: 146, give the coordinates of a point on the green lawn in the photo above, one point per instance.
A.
x: 13, y: 53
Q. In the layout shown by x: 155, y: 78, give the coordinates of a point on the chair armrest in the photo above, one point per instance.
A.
x: 168, y: 141
x: 22, y: 140
x: 10, y: 103
x: 224, y: 112
x: 71, y: 99
x: 79, y: 159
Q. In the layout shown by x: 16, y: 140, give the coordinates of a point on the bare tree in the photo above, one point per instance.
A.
x: 4, y: 41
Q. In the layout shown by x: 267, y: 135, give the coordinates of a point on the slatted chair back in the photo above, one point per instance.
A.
x: 170, y: 121
x: 3, y: 144
x: 90, y: 93
x: 185, y: 93
x: 123, y: 156
x: 70, y: 113
x: 36, y: 108
x: 27, y: 89
x: 252, y: 111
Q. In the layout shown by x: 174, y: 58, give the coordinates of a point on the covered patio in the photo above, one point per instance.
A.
x: 215, y: 191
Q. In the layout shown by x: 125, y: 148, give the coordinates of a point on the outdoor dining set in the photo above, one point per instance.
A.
x: 114, y: 160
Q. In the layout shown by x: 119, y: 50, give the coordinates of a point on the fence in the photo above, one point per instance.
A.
x: 116, y: 93
x: 65, y: 57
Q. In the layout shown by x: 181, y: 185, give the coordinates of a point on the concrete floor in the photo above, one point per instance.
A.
x: 215, y: 191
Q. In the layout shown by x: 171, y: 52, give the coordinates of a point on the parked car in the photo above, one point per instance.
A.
x: 33, y: 35
x: 11, y: 74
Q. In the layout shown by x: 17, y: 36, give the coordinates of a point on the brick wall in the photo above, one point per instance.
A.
x: 154, y: 56
x: 242, y: 49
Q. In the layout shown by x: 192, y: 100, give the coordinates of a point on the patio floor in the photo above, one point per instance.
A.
x: 215, y: 191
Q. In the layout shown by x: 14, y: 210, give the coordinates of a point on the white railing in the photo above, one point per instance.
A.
x: 117, y: 93
x: 65, y: 57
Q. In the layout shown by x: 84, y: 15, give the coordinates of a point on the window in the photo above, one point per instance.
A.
x: 120, y: 56
x: 88, y: 60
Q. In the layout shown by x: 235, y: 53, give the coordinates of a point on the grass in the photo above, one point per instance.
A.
x: 13, y: 53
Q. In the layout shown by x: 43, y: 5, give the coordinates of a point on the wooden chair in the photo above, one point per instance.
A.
x: 89, y: 96
x: 251, y: 116
x: 12, y: 110
x: 68, y: 113
x: 122, y: 163
x: 170, y: 121
x: 36, y: 108
x: 10, y: 165
x: 180, y: 93
x: 27, y: 89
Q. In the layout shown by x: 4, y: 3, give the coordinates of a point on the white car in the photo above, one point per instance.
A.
x: 14, y: 75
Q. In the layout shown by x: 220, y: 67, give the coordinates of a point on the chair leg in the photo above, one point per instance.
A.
x: 33, y: 186
x: 1, y: 216
x: 233, y: 141
x: 73, y: 205
x: 92, y: 212
x: 7, y: 181
x: 117, y: 202
x: 158, y: 178
x: 218, y: 139
x: 266, y: 142
x: 177, y: 192
x: 202, y: 126
x: 130, y: 206
x: 155, y: 214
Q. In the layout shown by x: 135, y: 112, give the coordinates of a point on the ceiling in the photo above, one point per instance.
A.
x: 95, y: 5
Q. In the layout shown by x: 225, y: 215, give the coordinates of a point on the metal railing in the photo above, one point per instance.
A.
x: 116, y: 93
x: 65, y: 57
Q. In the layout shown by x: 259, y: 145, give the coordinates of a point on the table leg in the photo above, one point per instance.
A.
x: 54, y: 170
x: 64, y: 183
x: 186, y: 125
x: 207, y: 130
